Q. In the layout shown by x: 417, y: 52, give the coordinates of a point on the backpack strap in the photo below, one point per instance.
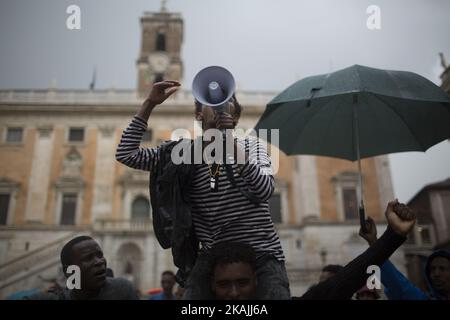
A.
x: 247, y: 193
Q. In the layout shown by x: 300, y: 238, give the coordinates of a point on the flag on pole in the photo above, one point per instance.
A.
x: 94, y: 76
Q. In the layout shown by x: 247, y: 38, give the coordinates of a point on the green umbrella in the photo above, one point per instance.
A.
x: 359, y: 112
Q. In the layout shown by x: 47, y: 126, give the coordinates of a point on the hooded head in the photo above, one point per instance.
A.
x: 437, y: 272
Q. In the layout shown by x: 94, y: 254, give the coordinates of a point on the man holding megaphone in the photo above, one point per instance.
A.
x: 217, y: 201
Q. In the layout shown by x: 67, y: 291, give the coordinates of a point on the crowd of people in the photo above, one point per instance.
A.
x: 216, y: 218
x: 232, y: 272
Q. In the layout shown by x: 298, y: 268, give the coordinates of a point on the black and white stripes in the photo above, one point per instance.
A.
x: 225, y: 215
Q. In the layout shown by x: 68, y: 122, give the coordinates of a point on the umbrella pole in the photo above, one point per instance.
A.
x: 362, y: 212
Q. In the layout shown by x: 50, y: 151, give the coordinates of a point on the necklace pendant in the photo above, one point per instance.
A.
x: 213, y: 184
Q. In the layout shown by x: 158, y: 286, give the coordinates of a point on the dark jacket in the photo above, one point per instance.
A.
x: 398, y: 287
x: 171, y: 210
x: 353, y: 276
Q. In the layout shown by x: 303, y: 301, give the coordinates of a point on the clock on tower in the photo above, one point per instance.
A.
x: 160, y: 54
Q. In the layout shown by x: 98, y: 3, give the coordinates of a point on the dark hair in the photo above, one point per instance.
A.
x: 237, y: 106
x: 332, y: 268
x: 66, y: 252
x: 168, y: 272
x: 230, y: 252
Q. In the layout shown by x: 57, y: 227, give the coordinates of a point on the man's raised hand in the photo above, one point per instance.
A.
x: 161, y: 91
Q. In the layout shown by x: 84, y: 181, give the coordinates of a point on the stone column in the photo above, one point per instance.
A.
x: 385, y: 187
x: 40, y: 176
x: 306, y: 186
x: 102, y: 205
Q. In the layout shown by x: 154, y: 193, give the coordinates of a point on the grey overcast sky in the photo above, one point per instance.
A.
x: 266, y: 44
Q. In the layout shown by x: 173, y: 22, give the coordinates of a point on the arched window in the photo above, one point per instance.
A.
x: 140, y: 209
x: 161, y: 42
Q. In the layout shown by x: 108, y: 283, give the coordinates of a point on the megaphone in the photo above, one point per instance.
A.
x: 213, y: 86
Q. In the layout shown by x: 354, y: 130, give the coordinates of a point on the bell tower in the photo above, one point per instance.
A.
x: 160, y: 54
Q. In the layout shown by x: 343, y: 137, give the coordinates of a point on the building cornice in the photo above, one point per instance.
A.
x: 113, y: 101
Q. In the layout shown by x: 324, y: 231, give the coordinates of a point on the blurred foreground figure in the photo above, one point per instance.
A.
x: 233, y: 273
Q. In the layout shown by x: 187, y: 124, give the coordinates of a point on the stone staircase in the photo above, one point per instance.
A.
x: 28, y: 270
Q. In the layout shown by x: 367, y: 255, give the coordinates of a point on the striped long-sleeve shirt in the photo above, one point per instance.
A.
x: 225, y: 214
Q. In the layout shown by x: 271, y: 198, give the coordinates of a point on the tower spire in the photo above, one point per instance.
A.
x: 163, y: 5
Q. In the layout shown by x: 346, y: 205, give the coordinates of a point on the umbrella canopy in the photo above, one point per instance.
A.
x: 359, y: 112
x: 387, y: 111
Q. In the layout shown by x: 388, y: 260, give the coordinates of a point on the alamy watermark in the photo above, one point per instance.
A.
x: 74, y: 280
x: 73, y: 21
x: 374, y: 20
x: 227, y: 147
x: 373, y: 282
